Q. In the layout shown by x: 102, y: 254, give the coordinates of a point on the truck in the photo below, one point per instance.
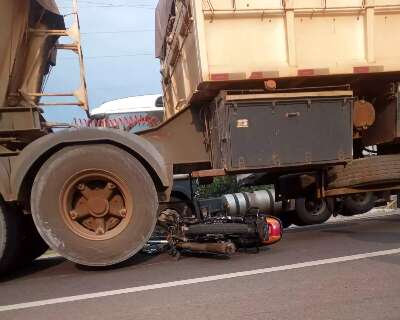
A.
x: 300, y: 93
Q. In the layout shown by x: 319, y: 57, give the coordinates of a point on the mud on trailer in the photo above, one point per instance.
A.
x: 93, y: 195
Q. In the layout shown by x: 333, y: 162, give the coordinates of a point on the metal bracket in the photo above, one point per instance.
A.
x: 73, y: 33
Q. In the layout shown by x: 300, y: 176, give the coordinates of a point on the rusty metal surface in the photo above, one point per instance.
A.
x: 386, y: 127
x: 96, y: 205
x: 209, y: 173
x: 280, y: 133
x: 181, y: 140
x: 363, y: 115
x: 43, y: 147
x: 17, y: 119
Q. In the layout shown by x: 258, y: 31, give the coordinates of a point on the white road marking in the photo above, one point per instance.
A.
x: 180, y: 283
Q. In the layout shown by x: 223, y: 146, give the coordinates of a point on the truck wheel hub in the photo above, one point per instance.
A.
x: 95, y: 205
x: 98, y: 207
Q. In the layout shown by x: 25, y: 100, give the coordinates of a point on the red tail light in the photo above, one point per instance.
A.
x: 274, y: 230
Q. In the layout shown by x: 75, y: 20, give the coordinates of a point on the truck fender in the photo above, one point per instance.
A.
x: 5, y: 187
x: 36, y: 153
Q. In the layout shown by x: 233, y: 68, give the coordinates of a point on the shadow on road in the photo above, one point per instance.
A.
x: 35, y: 267
x: 377, y: 232
x: 340, y: 225
x: 384, y: 237
x: 137, y: 259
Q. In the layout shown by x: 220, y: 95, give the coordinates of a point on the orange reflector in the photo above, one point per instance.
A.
x: 220, y: 76
x: 263, y: 75
x: 227, y: 76
x: 270, y: 84
x: 305, y: 72
x: 256, y: 75
x: 361, y: 69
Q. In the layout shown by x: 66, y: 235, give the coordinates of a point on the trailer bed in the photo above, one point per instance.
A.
x: 224, y: 44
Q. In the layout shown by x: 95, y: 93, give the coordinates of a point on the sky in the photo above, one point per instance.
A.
x: 118, y: 48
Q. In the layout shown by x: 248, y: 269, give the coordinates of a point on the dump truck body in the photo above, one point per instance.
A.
x: 26, y: 56
x: 206, y: 46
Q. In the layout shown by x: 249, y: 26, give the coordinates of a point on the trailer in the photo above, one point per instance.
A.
x: 296, y: 91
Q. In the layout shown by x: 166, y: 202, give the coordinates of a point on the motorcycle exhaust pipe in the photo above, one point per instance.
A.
x: 220, y: 248
x: 221, y: 228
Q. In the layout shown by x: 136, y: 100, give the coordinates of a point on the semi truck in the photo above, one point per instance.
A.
x: 299, y: 92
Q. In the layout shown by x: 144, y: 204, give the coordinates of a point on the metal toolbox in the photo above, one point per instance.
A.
x: 260, y: 131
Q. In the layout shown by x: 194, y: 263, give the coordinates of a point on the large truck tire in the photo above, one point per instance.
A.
x: 312, y: 211
x: 32, y: 245
x: 95, y: 205
x: 10, y: 235
x: 287, y: 218
x: 374, y: 170
x: 358, y: 203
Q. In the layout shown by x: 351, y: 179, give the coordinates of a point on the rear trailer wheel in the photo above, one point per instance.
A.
x: 358, y: 203
x: 287, y: 218
x: 32, y: 244
x: 312, y: 211
x: 10, y: 238
x: 95, y: 205
x: 369, y: 171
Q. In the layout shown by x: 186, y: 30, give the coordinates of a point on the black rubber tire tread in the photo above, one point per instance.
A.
x: 352, y: 207
x: 10, y: 238
x: 287, y: 218
x: 374, y: 170
x: 305, y: 217
x: 286, y: 221
x: 50, y: 223
x: 32, y: 245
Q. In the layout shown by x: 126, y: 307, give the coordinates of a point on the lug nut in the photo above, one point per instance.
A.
x: 73, y: 214
x: 111, y: 186
x: 81, y: 187
x: 122, y: 213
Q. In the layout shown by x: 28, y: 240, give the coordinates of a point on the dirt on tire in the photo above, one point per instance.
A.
x: 370, y: 171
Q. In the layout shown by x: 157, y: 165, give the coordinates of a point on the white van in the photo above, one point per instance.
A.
x: 131, y: 114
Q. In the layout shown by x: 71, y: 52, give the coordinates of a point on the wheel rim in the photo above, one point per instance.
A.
x: 96, y: 205
x: 315, y: 207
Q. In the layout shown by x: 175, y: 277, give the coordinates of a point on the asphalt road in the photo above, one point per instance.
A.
x: 347, y: 270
